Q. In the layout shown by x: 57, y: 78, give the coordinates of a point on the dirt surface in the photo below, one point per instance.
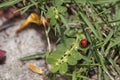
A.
x: 27, y: 42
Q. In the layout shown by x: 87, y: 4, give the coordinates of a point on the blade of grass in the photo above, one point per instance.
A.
x: 114, y: 65
x: 97, y: 26
x: 64, y: 22
x: 74, y: 75
x: 102, y: 1
x: 78, y: 76
x: 34, y: 2
x: 103, y: 16
x: 99, y: 73
x: 86, y: 21
x: 106, y: 77
x: 24, y: 9
x: 108, y: 38
x: 89, y: 24
x: 31, y: 57
x: 85, y: 58
x: 9, y: 3
x: 58, y: 29
x: 82, y: 77
x: 96, y: 1
x: 104, y: 66
x: 113, y: 43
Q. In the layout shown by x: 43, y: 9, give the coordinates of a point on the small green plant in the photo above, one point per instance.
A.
x: 95, y: 21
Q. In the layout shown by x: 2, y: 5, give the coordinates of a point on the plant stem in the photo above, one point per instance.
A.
x: 48, y: 40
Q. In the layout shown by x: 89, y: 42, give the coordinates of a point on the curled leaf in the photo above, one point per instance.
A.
x: 34, y: 18
x: 2, y: 54
x: 35, y: 69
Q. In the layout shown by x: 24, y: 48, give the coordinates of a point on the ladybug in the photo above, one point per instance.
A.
x: 84, y: 43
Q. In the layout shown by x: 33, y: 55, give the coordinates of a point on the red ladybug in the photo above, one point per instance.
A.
x: 84, y: 43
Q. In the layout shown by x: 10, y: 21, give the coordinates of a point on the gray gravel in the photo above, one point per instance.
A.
x: 27, y: 42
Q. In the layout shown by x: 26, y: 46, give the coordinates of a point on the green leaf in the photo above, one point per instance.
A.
x: 76, y: 55
x: 71, y: 60
x: 66, y: 44
x: 71, y: 33
x: 61, y: 9
x: 53, y: 21
x: 58, y: 2
x: 60, y: 52
x: 52, y: 59
x: 50, y: 12
x: 62, y: 47
x: 63, y: 68
x: 55, y: 68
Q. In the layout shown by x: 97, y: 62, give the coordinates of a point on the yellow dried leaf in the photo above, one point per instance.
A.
x: 35, y: 69
x: 34, y: 18
x: 45, y: 21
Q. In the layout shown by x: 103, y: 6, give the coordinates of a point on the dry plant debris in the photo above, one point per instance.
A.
x: 35, y: 69
x: 34, y: 18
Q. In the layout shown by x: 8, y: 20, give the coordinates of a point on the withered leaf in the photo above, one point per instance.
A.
x: 34, y: 18
x: 35, y: 69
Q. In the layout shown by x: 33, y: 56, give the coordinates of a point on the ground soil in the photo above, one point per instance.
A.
x: 27, y: 42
